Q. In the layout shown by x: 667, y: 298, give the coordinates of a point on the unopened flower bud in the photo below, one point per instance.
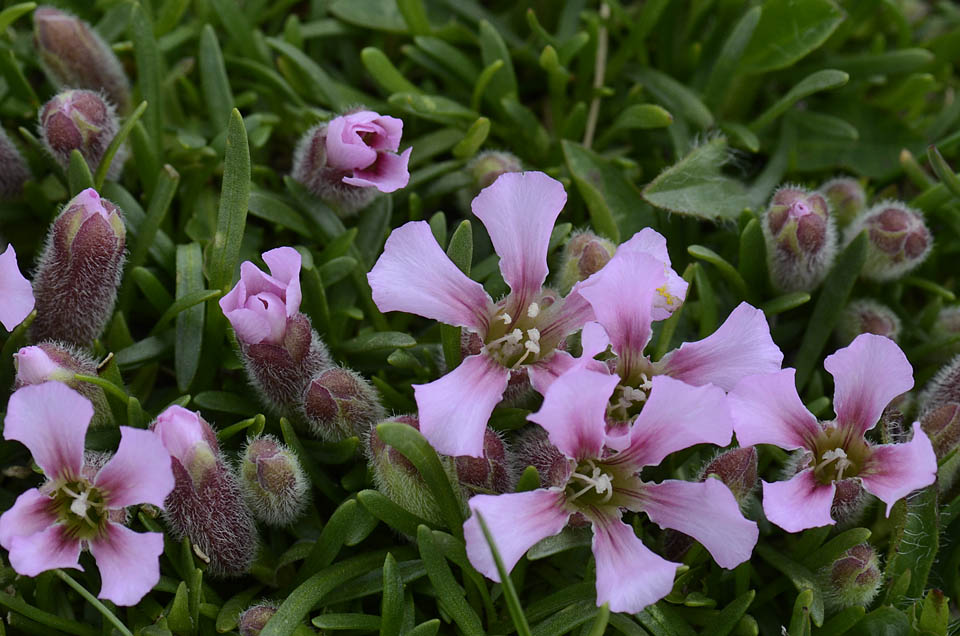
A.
x: 897, y: 240
x: 853, y: 579
x: 583, y: 255
x: 849, y: 500
x: 254, y: 618
x: 737, y: 468
x: 278, y: 346
x: 399, y: 480
x: 489, y: 474
x: 345, y: 160
x: 490, y: 164
x: 75, y: 56
x: 866, y: 316
x: 76, y: 280
x: 61, y: 362
x: 13, y: 169
x: 948, y: 320
x: 846, y: 198
x: 800, y: 237
x: 533, y: 448
x: 340, y: 403
x: 206, y: 504
x: 943, y: 389
x: 273, y: 482
x: 942, y: 426
x: 81, y: 120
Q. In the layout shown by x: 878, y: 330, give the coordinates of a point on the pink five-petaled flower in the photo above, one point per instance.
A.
x: 47, y: 527
x: 260, y: 304
x: 15, y: 290
x: 868, y: 374
x: 600, y: 482
x: 366, y: 142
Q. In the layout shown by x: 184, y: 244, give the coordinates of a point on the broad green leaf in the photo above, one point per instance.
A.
x: 492, y: 49
x: 379, y: 341
x: 886, y: 63
x: 789, y: 30
x: 826, y: 79
x: 883, y: 621
x: 473, y: 139
x: 213, y: 80
x: 363, y: 622
x: 722, y: 73
x: 9, y: 15
x: 320, y: 83
x: 384, y: 72
x: 566, y: 620
x: 445, y: 585
x: 232, y: 214
x: 415, y: 15
x: 678, y: 99
x: 391, y: 604
x: 226, y: 402
x: 149, y: 73
x: 380, y: 15
x: 390, y: 513
x: 802, y: 611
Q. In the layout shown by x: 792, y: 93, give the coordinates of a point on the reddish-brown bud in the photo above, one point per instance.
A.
x: 846, y: 198
x: 865, y: 315
x: 273, y: 482
x: 339, y: 403
x: 800, y: 238
x: 897, y: 240
x: 13, y: 169
x: 737, y: 468
x: 583, y: 255
x: 853, y: 579
x: 80, y: 120
x: 254, y: 618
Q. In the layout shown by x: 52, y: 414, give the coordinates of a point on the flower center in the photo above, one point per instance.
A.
x: 81, y: 507
x: 513, y: 341
x: 837, y: 456
x: 627, y: 401
x: 589, y: 477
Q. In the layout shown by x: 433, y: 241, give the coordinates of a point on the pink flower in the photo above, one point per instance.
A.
x: 47, y: 527
x: 366, y: 142
x: 15, y: 290
x: 260, y: 304
x: 601, y: 482
x: 868, y: 374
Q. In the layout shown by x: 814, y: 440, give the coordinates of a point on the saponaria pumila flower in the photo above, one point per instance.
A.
x: 82, y: 506
x: 520, y: 334
x: 16, y: 291
x: 61, y: 362
x: 603, y: 478
x: 835, y: 455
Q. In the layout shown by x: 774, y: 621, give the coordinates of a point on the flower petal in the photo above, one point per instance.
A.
x: 51, y: 420
x: 895, y: 470
x: 139, y: 472
x: 543, y: 373
x: 31, y: 513
x: 676, y: 416
x: 284, y: 264
x: 629, y: 575
x: 129, y: 563
x: 251, y: 327
x: 867, y: 374
x: 388, y: 173
x: 767, y: 410
x: 742, y: 346
x: 708, y: 512
x: 414, y: 275
x: 346, y: 150
x: 799, y: 503
x: 181, y: 430
x: 15, y: 290
x: 574, y: 412
x: 45, y: 550
x: 516, y: 521
x: 565, y: 317
x: 519, y: 210
x: 455, y: 408
x: 670, y: 297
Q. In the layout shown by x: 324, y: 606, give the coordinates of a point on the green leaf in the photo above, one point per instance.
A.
x: 679, y: 99
x: 784, y: 303
x: 78, y: 174
x: 824, y: 80
x: 460, y: 251
x: 269, y: 207
x: 448, y: 591
x: 322, y: 85
x: 226, y: 402
x: 427, y: 628
x: 883, y: 621
x: 473, y: 139
x: 364, y: 622
x: 943, y: 170
x: 232, y: 214
x: 752, y: 262
x: 730, y: 616
x: 802, y: 609
x: 722, y: 73
x: 788, y: 31
x: 327, y: 486
x: 9, y: 15
x: 728, y: 271
x: 492, y: 49
x: 509, y: 591
x: 834, y: 548
x: 149, y: 73
x: 886, y: 63
x: 108, y: 155
x: 833, y: 297
x: 183, y: 303
x: 914, y: 541
x: 214, y: 82
x: 567, y: 619
x: 935, y: 614
x: 384, y: 72
x: 802, y: 579
x: 390, y: 513
x: 415, y: 15
x: 696, y: 186
x: 163, y: 193
x: 178, y: 618
x: 842, y: 621
x: 391, y: 604
x: 380, y: 15
x: 379, y: 341
x: 434, y: 107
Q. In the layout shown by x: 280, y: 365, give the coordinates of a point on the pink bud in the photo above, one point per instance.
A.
x: 80, y: 120
x: 61, y: 362
x: 866, y: 316
x: 254, y: 618
x: 489, y: 474
x: 853, y: 579
x: 800, y: 238
x: 76, y: 281
x: 273, y: 482
x: 13, y: 169
x: 533, y: 448
x: 846, y: 198
x: 339, y: 403
x: 737, y: 468
x: 583, y: 255
x: 898, y: 240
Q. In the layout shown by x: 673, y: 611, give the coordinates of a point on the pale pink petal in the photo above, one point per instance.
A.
x: 139, y: 472
x: 574, y: 412
x: 516, y: 521
x: 676, y: 416
x: 271, y: 311
x: 895, y: 470
x: 649, y: 241
x: 257, y: 281
x: 129, y: 563
x: 543, y: 373
x: 455, y: 408
x: 45, y: 550
x: 708, y: 512
x: 345, y: 149
x: 235, y: 298
x: 31, y: 513
x: 565, y: 317
x: 867, y: 374
x: 414, y: 275
x: 284, y: 264
x: 51, y: 420
x: 593, y: 339
x: 767, y: 410
x: 629, y: 575
x: 15, y: 290
x: 799, y: 503
x: 621, y: 295
x: 251, y: 326
x: 181, y: 430
x: 388, y: 173
x: 519, y: 210
x: 35, y: 366
x: 388, y: 138
x: 742, y: 346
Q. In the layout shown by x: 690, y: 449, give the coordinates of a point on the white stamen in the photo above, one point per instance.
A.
x: 505, y: 317
x: 598, y: 480
x: 533, y: 310
x: 838, y: 455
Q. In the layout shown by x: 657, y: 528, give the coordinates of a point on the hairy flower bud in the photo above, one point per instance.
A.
x: 853, y: 579
x: 254, y: 618
x: 339, y: 403
x: 737, y: 468
x: 846, y: 198
x: 75, y: 56
x: 206, y: 504
x: 898, y: 240
x: 344, y: 160
x: 490, y: 164
x: 81, y: 120
x: 13, y: 169
x: 273, y: 483
x: 943, y: 389
x: 583, y: 255
x: 942, y: 426
x: 61, y: 362
x: 866, y: 316
x: 533, y: 448
x: 76, y: 280
x: 489, y: 474
x: 800, y: 237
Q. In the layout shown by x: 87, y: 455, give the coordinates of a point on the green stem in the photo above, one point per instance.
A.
x: 90, y: 598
